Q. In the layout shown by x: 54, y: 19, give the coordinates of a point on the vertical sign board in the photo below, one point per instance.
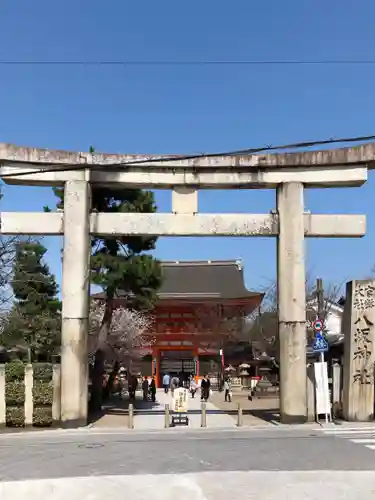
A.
x: 322, y: 397
x: 180, y: 400
x: 180, y: 407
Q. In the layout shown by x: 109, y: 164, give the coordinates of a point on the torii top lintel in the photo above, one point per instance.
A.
x: 250, y: 170
x: 364, y: 153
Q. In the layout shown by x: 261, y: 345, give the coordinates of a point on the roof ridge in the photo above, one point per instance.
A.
x: 237, y: 262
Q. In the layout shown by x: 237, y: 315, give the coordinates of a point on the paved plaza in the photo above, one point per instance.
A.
x: 154, y: 418
x: 150, y: 416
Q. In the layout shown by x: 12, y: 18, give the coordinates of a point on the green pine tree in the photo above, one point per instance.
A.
x: 34, y: 322
x: 120, y: 264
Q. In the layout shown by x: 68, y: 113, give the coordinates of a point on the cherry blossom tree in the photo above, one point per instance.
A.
x: 7, y: 256
x: 130, y: 331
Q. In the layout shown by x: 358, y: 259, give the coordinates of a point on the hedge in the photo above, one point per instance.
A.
x: 15, y: 394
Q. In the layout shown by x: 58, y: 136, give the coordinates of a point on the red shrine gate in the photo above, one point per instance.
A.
x: 201, y: 306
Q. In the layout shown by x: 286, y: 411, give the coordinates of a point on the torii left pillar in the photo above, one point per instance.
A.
x: 75, y: 309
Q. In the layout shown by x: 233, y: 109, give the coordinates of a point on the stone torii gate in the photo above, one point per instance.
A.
x: 288, y: 173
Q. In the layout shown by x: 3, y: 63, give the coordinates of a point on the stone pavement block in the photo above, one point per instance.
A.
x: 109, y: 421
x: 267, y: 485
x: 257, y: 412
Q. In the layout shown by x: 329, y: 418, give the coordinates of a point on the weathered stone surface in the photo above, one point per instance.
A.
x: 56, y: 401
x: 29, y: 400
x: 315, y: 225
x: 359, y: 355
x: 336, y: 167
x: 184, y: 200
x: 169, y: 176
x: 75, y: 310
x: 336, y: 157
x: 291, y: 303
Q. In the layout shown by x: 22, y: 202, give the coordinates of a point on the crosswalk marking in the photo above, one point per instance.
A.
x: 334, y: 428
x: 361, y: 430
x: 358, y: 435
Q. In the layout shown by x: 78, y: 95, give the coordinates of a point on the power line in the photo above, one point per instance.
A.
x: 266, y: 62
x: 119, y: 167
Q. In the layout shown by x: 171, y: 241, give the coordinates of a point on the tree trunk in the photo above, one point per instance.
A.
x: 98, y: 370
x: 111, y: 380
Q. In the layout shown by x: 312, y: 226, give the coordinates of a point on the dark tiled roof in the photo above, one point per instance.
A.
x: 204, y: 279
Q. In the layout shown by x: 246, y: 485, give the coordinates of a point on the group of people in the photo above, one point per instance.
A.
x: 149, y: 389
x: 172, y: 383
x: 206, y: 389
x: 117, y: 382
x: 121, y: 379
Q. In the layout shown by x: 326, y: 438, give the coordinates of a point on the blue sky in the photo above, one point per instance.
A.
x: 174, y: 109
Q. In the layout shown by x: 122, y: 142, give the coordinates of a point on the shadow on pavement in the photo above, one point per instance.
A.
x: 119, y: 406
x: 267, y: 415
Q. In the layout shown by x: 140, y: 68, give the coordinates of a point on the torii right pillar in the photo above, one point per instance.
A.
x: 291, y: 303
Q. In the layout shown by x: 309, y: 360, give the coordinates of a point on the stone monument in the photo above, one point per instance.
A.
x: 359, y: 356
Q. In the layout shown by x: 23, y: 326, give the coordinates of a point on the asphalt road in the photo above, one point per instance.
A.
x: 194, y: 462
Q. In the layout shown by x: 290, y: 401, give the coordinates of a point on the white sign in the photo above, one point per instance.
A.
x: 180, y: 400
x: 322, y: 396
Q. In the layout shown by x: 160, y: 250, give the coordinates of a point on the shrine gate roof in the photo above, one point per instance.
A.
x: 204, y: 279
x: 221, y: 280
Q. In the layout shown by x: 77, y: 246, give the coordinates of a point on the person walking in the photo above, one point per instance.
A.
x: 133, y: 384
x: 153, y: 390
x: 193, y: 387
x: 166, y: 382
x: 228, y: 390
x: 145, y: 389
x: 205, y: 388
x: 174, y: 384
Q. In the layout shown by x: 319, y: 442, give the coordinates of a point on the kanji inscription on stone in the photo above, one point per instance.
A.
x: 364, y: 373
x: 358, y: 328
x: 364, y: 297
x: 364, y: 376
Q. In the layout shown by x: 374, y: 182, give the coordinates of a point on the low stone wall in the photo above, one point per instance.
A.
x: 29, y: 394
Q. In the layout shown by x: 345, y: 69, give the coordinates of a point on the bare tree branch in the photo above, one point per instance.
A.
x: 8, y: 246
x: 263, y: 327
x: 7, y: 256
